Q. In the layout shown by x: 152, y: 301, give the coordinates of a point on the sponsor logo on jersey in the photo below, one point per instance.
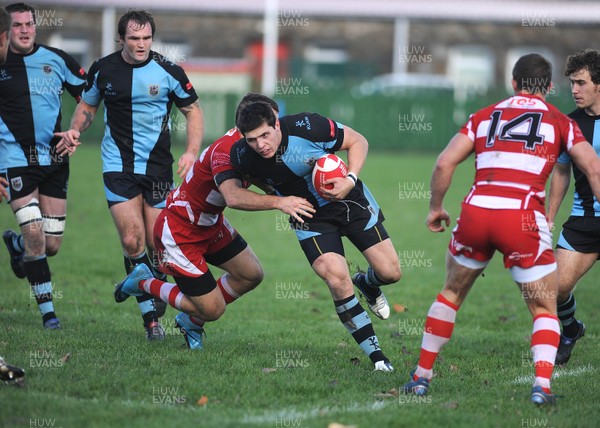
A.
x: 4, y: 75
x: 109, y: 89
x: 47, y: 69
x: 153, y: 90
x: 188, y: 86
x: 16, y: 183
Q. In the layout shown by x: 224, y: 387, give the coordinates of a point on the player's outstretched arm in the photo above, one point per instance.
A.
x: 559, y: 184
x: 82, y: 119
x: 237, y: 197
x: 587, y: 160
x: 458, y: 149
x: 195, y: 132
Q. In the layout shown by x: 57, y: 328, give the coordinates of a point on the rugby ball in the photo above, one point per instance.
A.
x: 327, y: 167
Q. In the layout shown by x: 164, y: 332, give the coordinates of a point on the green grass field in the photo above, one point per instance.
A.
x: 279, y: 357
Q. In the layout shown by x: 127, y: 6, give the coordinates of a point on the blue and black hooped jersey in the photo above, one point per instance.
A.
x: 137, y: 103
x: 584, y: 202
x: 31, y: 88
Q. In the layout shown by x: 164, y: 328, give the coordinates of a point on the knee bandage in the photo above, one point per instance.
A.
x: 54, y: 225
x: 29, y: 213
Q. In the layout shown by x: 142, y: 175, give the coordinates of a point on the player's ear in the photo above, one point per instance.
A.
x: 514, y: 84
x: 277, y: 124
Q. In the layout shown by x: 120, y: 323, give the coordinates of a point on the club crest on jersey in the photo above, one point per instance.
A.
x: 153, y: 90
x: 16, y: 183
x: 47, y: 69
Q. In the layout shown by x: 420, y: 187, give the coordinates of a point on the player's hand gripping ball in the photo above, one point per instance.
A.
x: 327, y: 167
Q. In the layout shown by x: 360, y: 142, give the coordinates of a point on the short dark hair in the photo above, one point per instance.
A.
x: 4, y: 20
x: 20, y: 7
x: 140, y: 17
x: 533, y: 73
x: 588, y: 59
x: 253, y: 97
x: 255, y: 115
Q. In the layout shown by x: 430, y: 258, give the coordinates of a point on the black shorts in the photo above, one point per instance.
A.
x: 581, y: 234
x: 124, y: 186
x: 359, y: 219
x: 51, y: 180
x: 204, y: 284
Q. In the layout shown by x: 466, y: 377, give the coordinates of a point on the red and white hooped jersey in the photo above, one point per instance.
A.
x: 198, y: 199
x: 517, y: 142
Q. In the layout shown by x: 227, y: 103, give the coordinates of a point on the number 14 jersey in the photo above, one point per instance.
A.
x: 517, y: 143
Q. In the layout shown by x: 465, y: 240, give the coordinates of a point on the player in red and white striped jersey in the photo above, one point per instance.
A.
x: 191, y: 232
x: 516, y: 143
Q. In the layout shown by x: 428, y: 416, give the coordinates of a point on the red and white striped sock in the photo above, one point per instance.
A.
x: 165, y: 291
x: 228, y: 293
x: 544, y: 344
x: 438, y: 329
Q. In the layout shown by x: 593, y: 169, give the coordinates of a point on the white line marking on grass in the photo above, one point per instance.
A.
x: 559, y: 372
x: 292, y: 413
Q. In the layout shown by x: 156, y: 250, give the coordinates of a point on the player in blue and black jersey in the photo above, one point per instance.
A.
x: 578, y: 246
x: 138, y: 88
x: 31, y: 85
x: 4, y: 27
x: 281, y: 153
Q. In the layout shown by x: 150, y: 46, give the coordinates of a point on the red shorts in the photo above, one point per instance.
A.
x: 522, y: 236
x: 182, y: 247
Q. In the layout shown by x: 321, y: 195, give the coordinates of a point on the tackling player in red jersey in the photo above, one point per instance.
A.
x: 192, y: 232
x: 516, y: 143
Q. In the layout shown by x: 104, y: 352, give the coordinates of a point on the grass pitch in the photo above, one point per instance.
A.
x: 279, y: 357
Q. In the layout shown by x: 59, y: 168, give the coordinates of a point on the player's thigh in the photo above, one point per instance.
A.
x: 383, y: 258
x: 325, y: 252
x: 243, y: 266
x: 572, y: 265
x: 150, y: 216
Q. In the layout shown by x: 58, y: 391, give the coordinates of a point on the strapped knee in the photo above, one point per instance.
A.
x: 54, y: 225
x: 29, y: 213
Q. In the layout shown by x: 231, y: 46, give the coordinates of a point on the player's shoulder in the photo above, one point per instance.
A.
x: 242, y: 155
x: 166, y: 64
x: 52, y: 51
x: 113, y: 59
